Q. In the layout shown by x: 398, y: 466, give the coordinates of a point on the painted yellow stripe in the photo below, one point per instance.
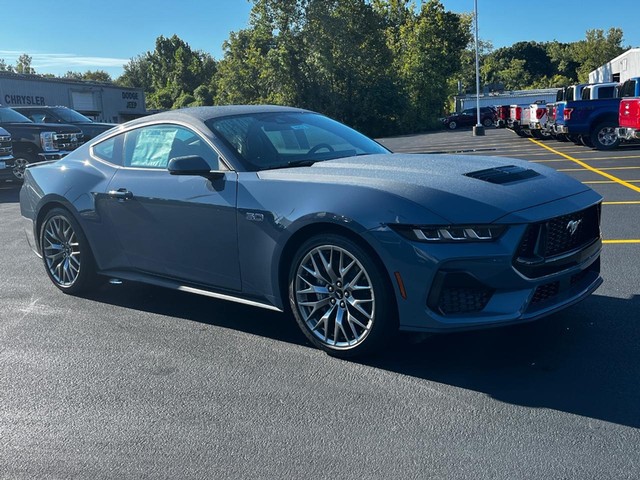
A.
x: 603, y: 169
x: 609, y: 181
x: 589, y: 167
x: 621, y: 241
x: 633, y: 202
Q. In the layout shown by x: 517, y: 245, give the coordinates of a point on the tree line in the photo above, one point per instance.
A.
x: 381, y: 66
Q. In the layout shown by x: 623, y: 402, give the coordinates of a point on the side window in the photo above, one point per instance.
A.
x: 154, y: 146
x: 109, y: 150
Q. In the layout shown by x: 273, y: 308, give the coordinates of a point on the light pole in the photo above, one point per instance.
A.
x: 478, y: 130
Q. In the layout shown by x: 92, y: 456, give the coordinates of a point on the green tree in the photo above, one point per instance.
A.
x: 93, y: 76
x: 598, y: 49
x: 23, y: 65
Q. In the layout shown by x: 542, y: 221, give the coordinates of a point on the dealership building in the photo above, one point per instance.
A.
x: 102, y: 102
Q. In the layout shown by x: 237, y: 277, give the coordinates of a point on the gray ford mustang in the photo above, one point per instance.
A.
x: 286, y: 209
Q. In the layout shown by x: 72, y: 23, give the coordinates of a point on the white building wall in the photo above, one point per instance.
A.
x: 626, y: 66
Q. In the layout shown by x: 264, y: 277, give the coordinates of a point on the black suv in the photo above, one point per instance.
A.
x: 67, y: 116
x: 468, y: 118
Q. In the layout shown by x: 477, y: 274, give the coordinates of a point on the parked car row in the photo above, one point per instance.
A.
x: 595, y: 115
x: 34, y: 134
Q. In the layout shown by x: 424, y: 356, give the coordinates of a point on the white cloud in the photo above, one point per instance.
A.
x: 68, y: 61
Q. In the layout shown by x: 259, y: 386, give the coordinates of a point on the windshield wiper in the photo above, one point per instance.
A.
x: 293, y: 163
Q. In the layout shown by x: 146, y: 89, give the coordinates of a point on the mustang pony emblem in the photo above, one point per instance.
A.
x: 572, y: 226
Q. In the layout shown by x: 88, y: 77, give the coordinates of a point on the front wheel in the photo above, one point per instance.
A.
x: 20, y: 164
x: 66, y: 254
x: 487, y: 122
x: 340, y: 298
x: 604, y: 136
x: 452, y: 125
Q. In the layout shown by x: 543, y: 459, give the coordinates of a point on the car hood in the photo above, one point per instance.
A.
x: 459, y: 188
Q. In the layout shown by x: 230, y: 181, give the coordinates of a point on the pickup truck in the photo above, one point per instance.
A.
x: 600, y: 90
x: 502, y: 115
x: 518, y: 118
x: 538, y: 115
x: 629, y: 110
x: 6, y: 156
x: 596, y: 122
x: 36, y: 142
x: 65, y: 115
x: 568, y: 94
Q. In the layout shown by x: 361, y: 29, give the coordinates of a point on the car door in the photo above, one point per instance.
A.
x: 178, y: 227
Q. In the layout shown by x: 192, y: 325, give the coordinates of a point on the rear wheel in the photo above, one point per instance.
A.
x: 487, y: 122
x: 66, y: 254
x: 604, y: 136
x: 339, y: 297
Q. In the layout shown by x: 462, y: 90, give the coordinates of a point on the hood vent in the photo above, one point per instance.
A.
x: 503, y: 175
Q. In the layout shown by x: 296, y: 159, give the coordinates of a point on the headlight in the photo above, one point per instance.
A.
x: 450, y: 233
x: 46, y: 141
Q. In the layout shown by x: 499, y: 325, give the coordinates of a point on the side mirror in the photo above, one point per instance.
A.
x: 193, y: 165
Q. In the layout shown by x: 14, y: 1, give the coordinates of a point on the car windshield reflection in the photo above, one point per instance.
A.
x: 280, y: 140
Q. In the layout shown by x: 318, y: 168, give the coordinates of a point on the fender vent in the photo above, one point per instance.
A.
x: 503, y: 175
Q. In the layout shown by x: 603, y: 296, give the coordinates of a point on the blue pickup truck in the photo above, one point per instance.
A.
x: 595, y: 122
x: 568, y: 94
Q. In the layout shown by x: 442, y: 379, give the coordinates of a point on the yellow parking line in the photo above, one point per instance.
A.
x: 589, y: 167
x: 622, y: 241
x: 622, y: 203
x: 609, y: 181
x: 603, y: 169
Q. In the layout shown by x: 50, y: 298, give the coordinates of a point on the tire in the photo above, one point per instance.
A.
x: 561, y: 137
x: 452, y: 125
x: 21, y: 161
x: 333, y: 280
x: 586, y: 141
x: 66, y: 254
x: 521, y: 133
x: 536, y: 134
x: 487, y: 122
x: 604, y: 136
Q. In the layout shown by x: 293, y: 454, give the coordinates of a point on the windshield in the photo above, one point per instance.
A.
x: 71, y: 116
x: 8, y: 115
x: 280, y: 139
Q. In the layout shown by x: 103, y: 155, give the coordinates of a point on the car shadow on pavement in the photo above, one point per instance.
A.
x: 9, y: 192
x: 584, y: 361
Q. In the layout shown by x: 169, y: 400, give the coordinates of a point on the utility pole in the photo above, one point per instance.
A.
x: 478, y: 130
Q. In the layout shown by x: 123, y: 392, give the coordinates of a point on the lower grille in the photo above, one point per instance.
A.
x: 458, y: 293
x: 463, y: 300
x: 545, y: 292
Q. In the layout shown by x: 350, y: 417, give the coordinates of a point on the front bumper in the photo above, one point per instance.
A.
x: 452, y: 287
x: 6, y: 168
x: 53, y: 155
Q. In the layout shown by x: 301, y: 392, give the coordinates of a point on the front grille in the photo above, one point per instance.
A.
x: 67, y: 141
x: 556, y: 237
x: 5, y: 146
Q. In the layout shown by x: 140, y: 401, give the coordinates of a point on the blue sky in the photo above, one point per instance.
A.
x: 82, y: 35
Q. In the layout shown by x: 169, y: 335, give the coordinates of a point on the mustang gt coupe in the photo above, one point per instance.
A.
x: 286, y: 209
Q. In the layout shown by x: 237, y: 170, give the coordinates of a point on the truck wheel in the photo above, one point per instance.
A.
x: 452, y: 125
x: 487, y: 122
x: 536, y: 134
x: 586, y: 141
x: 604, y: 136
x: 20, y: 163
x: 561, y: 137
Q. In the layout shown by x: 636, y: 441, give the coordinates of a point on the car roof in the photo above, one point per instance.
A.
x: 206, y: 113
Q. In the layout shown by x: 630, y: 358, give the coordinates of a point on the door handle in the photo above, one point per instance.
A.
x: 120, y: 194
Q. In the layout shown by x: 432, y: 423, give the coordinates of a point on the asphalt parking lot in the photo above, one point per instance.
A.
x: 141, y: 382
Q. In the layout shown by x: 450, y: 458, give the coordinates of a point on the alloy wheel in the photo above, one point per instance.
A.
x: 61, y: 251
x: 334, y: 297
